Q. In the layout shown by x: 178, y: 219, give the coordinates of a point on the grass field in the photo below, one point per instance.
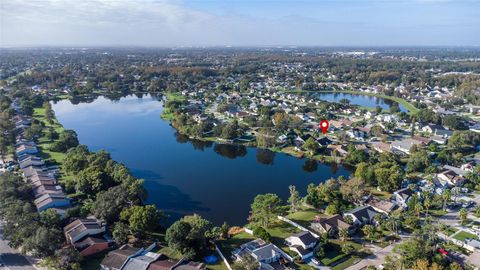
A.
x: 463, y: 235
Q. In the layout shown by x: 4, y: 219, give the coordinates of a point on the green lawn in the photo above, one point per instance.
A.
x: 228, y: 245
x: 304, y: 217
x: 279, y: 232
x: 461, y: 236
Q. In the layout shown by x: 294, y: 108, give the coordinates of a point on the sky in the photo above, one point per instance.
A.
x: 166, y: 23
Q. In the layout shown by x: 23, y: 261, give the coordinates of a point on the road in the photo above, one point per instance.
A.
x: 11, y: 258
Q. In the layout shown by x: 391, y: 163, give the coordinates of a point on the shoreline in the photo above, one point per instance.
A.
x: 411, y: 109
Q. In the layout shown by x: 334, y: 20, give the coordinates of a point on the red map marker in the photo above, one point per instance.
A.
x: 324, y: 126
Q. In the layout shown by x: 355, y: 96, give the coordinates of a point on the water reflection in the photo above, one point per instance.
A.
x: 265, y: 156
x: 310, y: 165
x: 230, y: 151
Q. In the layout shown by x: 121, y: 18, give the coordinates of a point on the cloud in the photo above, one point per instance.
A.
x: 246, y: 22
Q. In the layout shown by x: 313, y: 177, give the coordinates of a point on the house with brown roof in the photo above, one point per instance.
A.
x: 382, y: 206
x: 163, y: 263
x: 83, y: 227
x: 91, y: 245
x: 331, y: 225
x: 116, y: 259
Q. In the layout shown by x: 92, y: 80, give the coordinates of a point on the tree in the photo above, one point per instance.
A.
x: 377, y: 131
x: 418, y: 161
x: 67, y: 259
x: 43, y: 242
x: 332, y: 209
x: 369, y: 231
x: 343, y: 234
x: 311, y: 145
x: 294, y: 199
x: 266, y: 138
x: 121, y: 233
x: 188, y: 235
x: 421, y: 264
x: 354, y: 189
x: 108, y: 204
x: 463, y: 214
x: 50, y: 218
x: 312, y: 197
x: 446, y: 195
x: 141, y: 219
x: 260, y: 232
x: 347, y: 248
x: 265, y: 208
x: 68, y: 139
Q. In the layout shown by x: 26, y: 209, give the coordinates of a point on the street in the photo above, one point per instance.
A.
x: 11, y: 258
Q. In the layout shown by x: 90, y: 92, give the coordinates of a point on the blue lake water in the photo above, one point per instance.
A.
x: 182, y: 176
x: 362, y: 100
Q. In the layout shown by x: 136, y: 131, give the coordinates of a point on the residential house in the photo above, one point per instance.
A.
x: 381, y: 147
x: 331, y: 225
x: 402, y: 196
x: 190, y: 265
x: 262, y: 252
x: 91, y: 245
x: 24, y: 149
x: 302, y: 243
x: 362, y: 215
x: 469, y: 166
x: 116, y: 259
x: 451, y: 178
x: 51, y: 200
x: 381, y: 206
x: 31, y: 161
x: 40, y: 190
x: 141, y: 262
x: 163, y: 263
x: 404, y: 146
x: 437, y: 130
x: 82, y: 227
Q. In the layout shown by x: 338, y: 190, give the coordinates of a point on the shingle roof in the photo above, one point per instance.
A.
x: 306, y: 237
x: 116, y: 258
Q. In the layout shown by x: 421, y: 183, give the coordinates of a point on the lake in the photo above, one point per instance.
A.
x: 183, y: 176
x: 361, y: 100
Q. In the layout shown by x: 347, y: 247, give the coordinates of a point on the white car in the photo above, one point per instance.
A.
x: 315, y: 261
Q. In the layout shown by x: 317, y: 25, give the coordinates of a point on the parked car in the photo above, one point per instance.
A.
x: 315, y: 261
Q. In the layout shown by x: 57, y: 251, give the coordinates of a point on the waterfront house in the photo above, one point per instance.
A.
x: 331, y: 225
x: 31, y: 161
x: 82, y: 227
x: 189, y: 265
x: 382, y: 206
x: 24, y: 149
x: 141, y: 262
x: 46, y: 189
x: 163, y: 263
x: 362, y: 215
x: 116, y: 259
x: 51, y: 200
x: 302, y: 243
x: 91, y: 245
x: 262, y: 252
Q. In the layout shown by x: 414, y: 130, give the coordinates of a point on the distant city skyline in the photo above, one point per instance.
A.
x: 166, y: 23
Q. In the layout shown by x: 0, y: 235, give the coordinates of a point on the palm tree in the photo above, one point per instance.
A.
x: 427, y: 203
x: 446, y: 195
x: 369, y: 231
x: 418, y: 208
x: 463, y: 215
x: 343, y: 235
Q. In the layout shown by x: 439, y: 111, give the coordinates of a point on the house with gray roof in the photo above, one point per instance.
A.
x: 362, y: 215
x: 116, y: 259
x: 141, y: 262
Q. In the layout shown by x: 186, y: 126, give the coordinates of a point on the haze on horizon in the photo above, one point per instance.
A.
x: 239, y: 23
